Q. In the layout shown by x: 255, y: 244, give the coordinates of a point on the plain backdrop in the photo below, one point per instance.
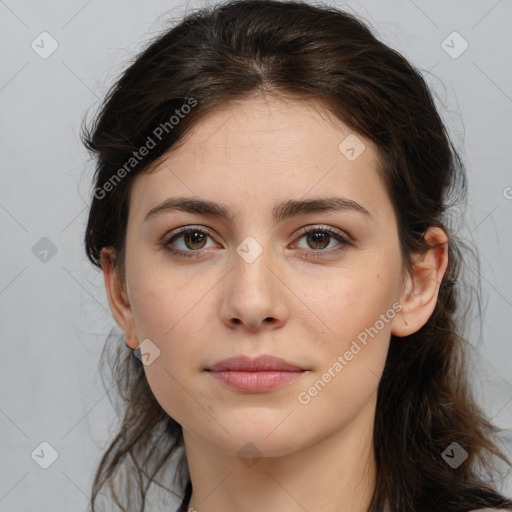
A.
x: 54, y: 313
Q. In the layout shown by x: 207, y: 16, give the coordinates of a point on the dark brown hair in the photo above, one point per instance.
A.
x: 308, y: 52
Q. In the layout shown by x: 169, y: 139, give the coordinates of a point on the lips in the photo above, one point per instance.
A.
x: 263, y: 373
x: 261, y: 363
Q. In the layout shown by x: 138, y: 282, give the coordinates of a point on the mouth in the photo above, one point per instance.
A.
x: 263, y: 373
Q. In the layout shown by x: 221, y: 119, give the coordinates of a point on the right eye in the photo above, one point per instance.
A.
x: 193, y: 240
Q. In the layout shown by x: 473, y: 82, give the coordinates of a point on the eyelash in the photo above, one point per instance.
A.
x: 344, y: 240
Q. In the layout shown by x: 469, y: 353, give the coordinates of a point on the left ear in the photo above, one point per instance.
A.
x: 421, y: 289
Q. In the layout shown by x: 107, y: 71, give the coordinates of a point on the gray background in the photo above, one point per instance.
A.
x: 54, y: 312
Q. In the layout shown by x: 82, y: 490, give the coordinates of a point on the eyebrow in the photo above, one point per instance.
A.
x: 282, y: 211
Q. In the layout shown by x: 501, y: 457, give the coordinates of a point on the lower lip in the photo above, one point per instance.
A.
x: 254, y: 382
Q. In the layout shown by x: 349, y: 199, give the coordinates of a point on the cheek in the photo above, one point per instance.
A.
x: 174, y: 312
x: 353, y: 347
x: 160, y: 296
x: 173, y: 316
x: 345, y: 306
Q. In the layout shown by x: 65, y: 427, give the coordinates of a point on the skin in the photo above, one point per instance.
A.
x: 250, y: 156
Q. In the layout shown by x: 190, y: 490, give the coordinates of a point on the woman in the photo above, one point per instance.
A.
x: 271, y: 217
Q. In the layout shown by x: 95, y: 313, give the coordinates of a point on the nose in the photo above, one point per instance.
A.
x: 254, y: 297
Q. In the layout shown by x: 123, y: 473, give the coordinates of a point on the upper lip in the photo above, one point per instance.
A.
x: 261, y: 363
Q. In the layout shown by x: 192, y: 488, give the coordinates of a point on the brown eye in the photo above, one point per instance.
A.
x: 318, y: 239
x: 187, y: 242
x: 194, y: 239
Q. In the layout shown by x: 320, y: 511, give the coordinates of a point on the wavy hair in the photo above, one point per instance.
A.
x: 315, y: 52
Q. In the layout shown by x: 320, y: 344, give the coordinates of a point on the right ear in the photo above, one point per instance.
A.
x: 117, y: 297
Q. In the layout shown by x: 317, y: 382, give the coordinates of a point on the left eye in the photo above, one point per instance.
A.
x: 319, y: 239
x: 194, y: 241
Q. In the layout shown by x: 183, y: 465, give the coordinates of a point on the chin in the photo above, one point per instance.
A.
x: 267, y: 435
x: 257, y: 445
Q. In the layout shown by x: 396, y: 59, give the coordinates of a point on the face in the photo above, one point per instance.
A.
x: 319, y: 288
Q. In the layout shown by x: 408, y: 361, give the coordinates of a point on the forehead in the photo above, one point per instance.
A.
x: 265, y: 150
x: 272, y: 123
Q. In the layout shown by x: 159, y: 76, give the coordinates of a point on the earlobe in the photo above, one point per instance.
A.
x: 117, y: 297
x: 421, y: 290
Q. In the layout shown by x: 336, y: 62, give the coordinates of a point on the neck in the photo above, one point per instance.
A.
x: 334, y: 474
